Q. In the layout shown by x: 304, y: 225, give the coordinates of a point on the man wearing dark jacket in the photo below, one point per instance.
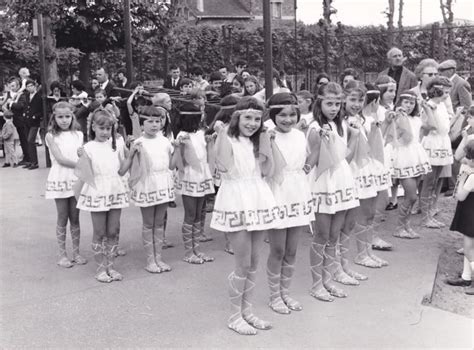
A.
x: 34, y: 114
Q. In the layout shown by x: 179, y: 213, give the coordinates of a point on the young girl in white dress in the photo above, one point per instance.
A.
x: 63, y: 140
x: 332, y: 187
x: 368, y: 166
x: 409, y: 159
x: 245, y: 205
x: 104, y: 191
x: 436, y: 121
x: 293, y: 199
x: 194, y: 180
x: 152, y: 187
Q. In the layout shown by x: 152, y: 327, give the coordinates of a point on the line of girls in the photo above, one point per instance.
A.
x: 274, y: 179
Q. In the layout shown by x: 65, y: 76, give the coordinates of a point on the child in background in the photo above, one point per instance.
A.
x: 63, y: 140
x: 194, y: 180
x: 152, y: 183
x: 292, y: 194
x: 332, y: 186
x: 9, y: 136
x: 409, y: 159
x: 104, y: 192
x: 463, y: 220
x: 305, y: 103
x: 244, y: 205
x: 185, y: 86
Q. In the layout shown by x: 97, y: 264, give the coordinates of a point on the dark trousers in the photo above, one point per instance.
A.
x: 23, y: 136
x: 32, y: 132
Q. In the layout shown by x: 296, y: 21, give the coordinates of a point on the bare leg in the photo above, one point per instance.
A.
x: 113, y: 229
x: 288, y: 267
x: 62, y: 208
x: 99, y: 225
x: 274, y: 264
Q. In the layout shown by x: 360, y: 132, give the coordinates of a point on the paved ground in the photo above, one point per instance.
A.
x: 43, y: 305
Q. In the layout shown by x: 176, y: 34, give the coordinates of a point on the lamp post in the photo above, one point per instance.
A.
x: 186, y: 45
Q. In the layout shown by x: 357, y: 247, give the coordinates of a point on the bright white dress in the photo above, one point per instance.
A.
x: 192, y: 182
x: 437, y: 143
x: 158, y: 186
x: 111, y: 189
x: 244, y: 200
x: 382, y: 171
x: 293, y: 195
x: 410, y: 160
x: 388, y: 147
x: 60, y: 178
x: 335, y: 189
x: 366, y: 176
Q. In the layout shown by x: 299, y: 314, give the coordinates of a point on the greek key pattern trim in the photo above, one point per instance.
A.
x: 113, y: 200
x: 294, y: 210
x: 59, y: 186
x: 439, y: 153
x: 194, y: 187
x: 155, y: 197
x: 333, y: 199
x: 244, y: 218
x: 411, y: 171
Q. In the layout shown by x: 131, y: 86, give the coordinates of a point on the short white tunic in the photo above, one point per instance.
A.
x: 60, y: 178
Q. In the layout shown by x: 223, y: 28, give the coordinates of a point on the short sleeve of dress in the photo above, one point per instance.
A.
x: 469, y: 184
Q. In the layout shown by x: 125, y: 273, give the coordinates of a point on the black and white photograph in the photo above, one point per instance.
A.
x: 236, y: 174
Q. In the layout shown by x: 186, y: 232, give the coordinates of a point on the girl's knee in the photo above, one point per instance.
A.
x: 277, y: 253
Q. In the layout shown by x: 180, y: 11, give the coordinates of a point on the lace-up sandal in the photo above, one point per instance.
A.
x: 236, y: 321
x: 63, y: 260
x: 276, y: 302
x: 317, y: 290
x: 189, y: 255
x: 286, y: 274
x: 101, y: 260
x: 247, y: 313
x: 344, y: 253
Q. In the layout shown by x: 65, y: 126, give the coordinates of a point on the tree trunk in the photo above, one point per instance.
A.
x: 85, y: 68
x: 390, y: 14
x: 50, y: 52
x: 400, y: 22
x: 448, y: 19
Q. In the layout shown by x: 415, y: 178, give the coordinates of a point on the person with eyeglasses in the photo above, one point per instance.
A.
x: 404, y: 77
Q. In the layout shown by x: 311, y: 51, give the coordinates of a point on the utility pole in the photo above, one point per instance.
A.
x: 268, y: 60
x: 296, y: 49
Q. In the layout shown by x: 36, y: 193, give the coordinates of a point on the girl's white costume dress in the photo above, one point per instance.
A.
x: 437, y: 143
x: 110, y: 190
x: 192, y: 182
x: 381, y: 171
x: 410, y: 160
x: 293, y: 195
x: 60, y: 178
x: 335, y: 189
x: 158, y: 186
x: 244, y: 200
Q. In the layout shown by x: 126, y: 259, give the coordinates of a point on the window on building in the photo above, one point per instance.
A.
x: 277, y: 11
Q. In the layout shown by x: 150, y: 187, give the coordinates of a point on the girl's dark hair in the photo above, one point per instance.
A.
x: 247, y: 102
x: 239, y: 79
x: 382, y: 80
x: 323, y: 91
x: 185, y: 81
x: 224, y: 115
x: 56, y: 85
x: 282, y: 98
x: 373, y: 93
x: 305, y: 94
x: 103, y: 117
x: 432, y: 88
x: 78, y: 85
x: 155, y: 111
x: 276, y: 76
x: 53, y: 126
x: 349, y: 71
x: 469, y: 150
x: 321, y: 76
x: 416, y: 110
x: 189, y: 122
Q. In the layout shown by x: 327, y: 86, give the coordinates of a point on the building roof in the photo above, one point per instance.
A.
x: 221, y: 9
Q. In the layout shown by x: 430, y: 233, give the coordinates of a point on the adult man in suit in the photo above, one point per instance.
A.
x: 172, y: 80
x: 404, y: 77
x: 460, y: 97
x: 122, y: 80
x: 104, y: 83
